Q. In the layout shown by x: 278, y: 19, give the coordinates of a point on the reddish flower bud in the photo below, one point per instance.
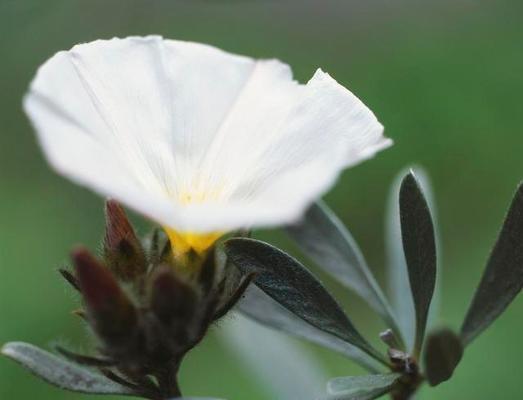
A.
x: 122, y: 249
x: 110, y: 311
x: 174, y: 303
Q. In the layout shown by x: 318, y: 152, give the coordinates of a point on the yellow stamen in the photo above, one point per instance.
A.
x: 183, y: 242
x: 199, y: 242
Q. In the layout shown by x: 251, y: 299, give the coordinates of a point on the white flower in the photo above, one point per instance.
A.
x: 199, y: 140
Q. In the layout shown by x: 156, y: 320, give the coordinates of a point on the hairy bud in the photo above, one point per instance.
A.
x: 174, y: 303
x: 147, y: 306
x: 110, y: 311
x: 123, y: 251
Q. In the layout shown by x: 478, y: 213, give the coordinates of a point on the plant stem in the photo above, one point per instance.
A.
x: 168, y: 381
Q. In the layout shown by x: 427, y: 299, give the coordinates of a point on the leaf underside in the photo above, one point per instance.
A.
x: 419, y: 246
x: 260, y: 307
x: 289, y: 283
x: 286, y: 370
x: 365, y: 387
x: 324, y: 239
x: 442, y: 354
x: 61, y: 373
x: 503, y: 276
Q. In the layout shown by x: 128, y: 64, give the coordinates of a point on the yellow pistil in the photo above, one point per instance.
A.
x: 184, y: 242
x: 198, y: 242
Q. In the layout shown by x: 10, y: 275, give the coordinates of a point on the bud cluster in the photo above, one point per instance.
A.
x: 146, y: 308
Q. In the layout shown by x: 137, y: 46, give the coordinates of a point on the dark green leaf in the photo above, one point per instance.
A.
x: 361, y: 387
x: 503, y: 277
x: 263, y: 309
x: 324, y: 238
x: 289, y: 283
x: 442, y: 354
x: 61, y: 373
x: 419, y: 245
x: 397, y: 274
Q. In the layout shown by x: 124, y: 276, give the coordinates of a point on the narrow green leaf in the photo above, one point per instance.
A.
x: 503, y: 276
x: 61, y: 373
x: 324, y: 238
x: 397, y: 274
x: 364, y: 387
x: 419, y: 245
x: 263, y: 309
x: 289, y: 283
x: 442, y: 354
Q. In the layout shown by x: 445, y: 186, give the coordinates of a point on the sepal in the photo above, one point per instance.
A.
x: 110, y: 311
x: 123, y: 251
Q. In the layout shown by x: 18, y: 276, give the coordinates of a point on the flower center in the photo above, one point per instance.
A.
x: 199, y: 242
x: 183, y: 242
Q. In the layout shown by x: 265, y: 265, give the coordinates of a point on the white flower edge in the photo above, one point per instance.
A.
x: 145, y: 120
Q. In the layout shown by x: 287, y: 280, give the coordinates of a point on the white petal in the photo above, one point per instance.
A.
x: 80, y: 157
x: 148, y: 121
x: 325, y: 130
x: 128, y: 117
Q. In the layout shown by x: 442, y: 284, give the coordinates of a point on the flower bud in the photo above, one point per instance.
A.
x: 122, y: 249
x: 110, y: 312
x: 174, y: 303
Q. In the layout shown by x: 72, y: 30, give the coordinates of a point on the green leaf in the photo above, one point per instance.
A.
x: 397, y: 274
x: 324, y: 238
x: 503, y: 276
x: 442, y: 354
x: 297, y: 374
x: 289, y: 283
x: 364, y: 387
x: 61, y: 373
x: 263, y: 309
x: 419, y: 245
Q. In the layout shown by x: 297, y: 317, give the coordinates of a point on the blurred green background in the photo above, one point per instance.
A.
x: 444, y: 77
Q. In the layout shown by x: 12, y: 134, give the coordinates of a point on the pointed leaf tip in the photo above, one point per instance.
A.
x: 419, y: 245
x: 503, y: 277
x: 442, y: 354
x: 289, y: 283
x: 61, y: 373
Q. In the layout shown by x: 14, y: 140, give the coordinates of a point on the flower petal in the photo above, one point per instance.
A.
x: 128, y: 117
x: 159, y: 123
x: 327, y: 130
x: 324, y: 130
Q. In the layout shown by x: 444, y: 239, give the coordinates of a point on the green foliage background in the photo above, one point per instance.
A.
x: 444, y: 77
